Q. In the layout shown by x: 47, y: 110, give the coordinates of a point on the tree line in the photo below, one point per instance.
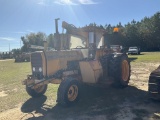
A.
x: 144, y: 33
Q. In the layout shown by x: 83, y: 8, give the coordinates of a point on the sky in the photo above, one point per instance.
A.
x: 21, y: 17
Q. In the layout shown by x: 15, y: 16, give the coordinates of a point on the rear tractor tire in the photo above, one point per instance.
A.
x: 119, y: 70
x: 38, y: 92
x: 68, y: 92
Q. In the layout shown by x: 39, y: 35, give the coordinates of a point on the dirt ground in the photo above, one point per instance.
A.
x: 96, y: 103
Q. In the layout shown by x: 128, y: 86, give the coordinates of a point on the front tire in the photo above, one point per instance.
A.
x: 68, y: 92
x: 119, y: 69
x: 38, y: 92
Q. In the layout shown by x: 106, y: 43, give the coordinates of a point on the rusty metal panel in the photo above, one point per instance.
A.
x: 57, y: 60
x: 91, y: 71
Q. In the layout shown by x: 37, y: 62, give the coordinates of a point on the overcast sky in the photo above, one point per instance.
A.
x: 20, y: 17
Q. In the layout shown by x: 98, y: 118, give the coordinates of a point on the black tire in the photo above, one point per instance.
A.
x: 119, y: 70
x: 36, y: 92
x: 68, y: 92
x: 105, y: 62
x: 154, y: 96
x: 154, y: 87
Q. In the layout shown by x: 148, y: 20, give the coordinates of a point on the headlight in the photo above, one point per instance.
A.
x: 34, y: 69
x: 40, y: 69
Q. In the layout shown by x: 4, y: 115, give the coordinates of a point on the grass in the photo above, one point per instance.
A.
x: 146, y: 57
x: 11, y: 75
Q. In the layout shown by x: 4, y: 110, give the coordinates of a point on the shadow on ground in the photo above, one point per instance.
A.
x: 103, y: 103
x: 137, y: 54
x: 33, y: 104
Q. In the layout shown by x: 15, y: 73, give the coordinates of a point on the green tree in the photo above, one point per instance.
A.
x: 50, y: 40
x: 32, y: 39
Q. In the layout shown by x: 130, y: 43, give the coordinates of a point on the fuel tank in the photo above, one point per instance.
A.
x: 46, y: 63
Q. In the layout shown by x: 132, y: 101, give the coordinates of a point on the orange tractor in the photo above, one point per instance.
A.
x: 81, y: 56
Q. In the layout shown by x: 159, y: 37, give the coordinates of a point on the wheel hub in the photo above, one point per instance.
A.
x: 39, y: 89
x: 72, y: 93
